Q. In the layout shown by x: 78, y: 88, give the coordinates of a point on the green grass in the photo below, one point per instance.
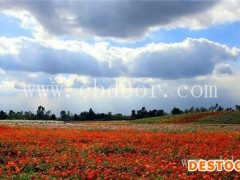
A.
x: 23, y: 176
x: 160, y: 119
x: 226, y: 118
x: 150, y: 120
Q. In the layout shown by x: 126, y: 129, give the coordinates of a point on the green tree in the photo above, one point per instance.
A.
x: 53, y: 117
x: 91, y: 114
x: 63, y: 115
x: 237, y: 107
x: 3, y: 115
x: 40, y: 112
x: 133, y: 115
x: 11, y: 115
x: 28, y: 115
x: 176, y: 111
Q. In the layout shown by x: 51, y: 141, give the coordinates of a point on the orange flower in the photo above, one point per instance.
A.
x: 114, y: 154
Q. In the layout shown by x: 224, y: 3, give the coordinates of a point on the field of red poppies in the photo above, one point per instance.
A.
x: 69, y: 153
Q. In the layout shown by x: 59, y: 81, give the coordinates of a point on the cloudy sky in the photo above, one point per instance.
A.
x: 119, y: 55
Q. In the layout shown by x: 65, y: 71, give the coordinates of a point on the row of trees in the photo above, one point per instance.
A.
x: 42, y: 114
x: 143, y: 113
x: 91, y: 115
x: 216, y: 108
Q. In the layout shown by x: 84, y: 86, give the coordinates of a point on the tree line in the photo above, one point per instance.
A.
x: 43, y: 114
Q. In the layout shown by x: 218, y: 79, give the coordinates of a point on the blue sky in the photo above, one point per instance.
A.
x: 78, y: 44
x: 11, y: 27
x: 224, y: 34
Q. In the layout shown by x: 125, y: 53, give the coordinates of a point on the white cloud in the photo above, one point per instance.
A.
x: 69, y: 81
x: 223, y: 69
x: 9, y: 46
x: 192, y: 57
x: 7, y: 88
x: 226, y: 11
x: 29, y: 22
x: 2, y: 72
x: 105, y: 19
x: 228, y: 93
x: 6, y: 85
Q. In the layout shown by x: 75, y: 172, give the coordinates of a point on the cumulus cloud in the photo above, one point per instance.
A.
x: 119, y: 19
x: 224, y: 11
x: 72, y: 80
x: 9, y: 45
x: 190, y: 58
x: 19, y: 79
x: 223, y: 69
x: 35, y: 57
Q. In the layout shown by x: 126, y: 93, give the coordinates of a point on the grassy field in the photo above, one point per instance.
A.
x: 227, y: 118
x: 161, y: 119
x: 232, y: 117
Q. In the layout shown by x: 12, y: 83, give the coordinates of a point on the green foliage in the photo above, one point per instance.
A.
x: 41, y: 114
x: 26, y: 176
x: 3, y: 115
x: 143, y: 113
x: 176, y: 111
